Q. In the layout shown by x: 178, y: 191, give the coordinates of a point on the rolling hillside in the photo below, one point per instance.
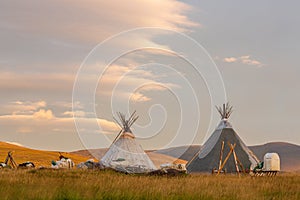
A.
x: 39, y: 158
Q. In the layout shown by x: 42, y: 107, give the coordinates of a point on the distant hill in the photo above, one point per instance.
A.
x: 95, y: 153
x: 182, y: 152
x: 38, y: 157
x: 289, y: 154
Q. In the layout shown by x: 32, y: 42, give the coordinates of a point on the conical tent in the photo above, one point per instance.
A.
x: 208, y: 158
x: 125, y: 154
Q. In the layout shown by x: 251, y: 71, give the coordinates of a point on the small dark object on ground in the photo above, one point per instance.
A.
x: 167, y: 172
x: 26, y: 165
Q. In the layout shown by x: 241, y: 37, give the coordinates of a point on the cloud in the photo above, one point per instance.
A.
x: 139, y: 97
x: 108, y: 127
x: 128, y: 82
x: 43, y: 114
x: 29, y: 105
x: 247, y: 60
x: 33, y: 117
x: 44, y: 121
x: 91, y: 20
x: 77, y: 113
x: 43, y: 43
x: 40, y: 114
x: 244, y: 60
x: 67, y: 104
x: 230, y: 59
x: 244, y: 57
x: 35, y: 34
x: 23, y: 107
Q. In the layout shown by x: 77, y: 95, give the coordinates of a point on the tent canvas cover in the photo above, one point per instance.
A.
x: 125, y: 154
x: 208, y: 158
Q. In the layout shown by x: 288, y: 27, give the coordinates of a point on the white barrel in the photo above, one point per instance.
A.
x: 271, y: 162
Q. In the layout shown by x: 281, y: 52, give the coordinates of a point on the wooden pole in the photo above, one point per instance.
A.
x: 241, y: 165
x: 6, y: 159
x: 227, y: 157
x: 235, y: 160
x: 221, y: 155
x: 12, y: 161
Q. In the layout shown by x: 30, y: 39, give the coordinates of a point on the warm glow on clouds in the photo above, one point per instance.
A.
x: 43, y: 114
x: 77, y: 113
x: 44, y: 44
x: 129, y: 77
x: 230, y: 59
x: 38, y: 34
x: 44, y: 120
x: 108, y: 126
x: 139, y: 97
x: 22, y: 107
x: 91, y: 20
x: 248, y: 60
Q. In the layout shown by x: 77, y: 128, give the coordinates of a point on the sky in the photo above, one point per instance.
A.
x: 67, y: 67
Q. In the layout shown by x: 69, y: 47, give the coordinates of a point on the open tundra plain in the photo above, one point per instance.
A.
x: 95, y: 184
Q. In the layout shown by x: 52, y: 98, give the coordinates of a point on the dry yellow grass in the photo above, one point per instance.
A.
x: 95, y: 184
x: 39, y: 158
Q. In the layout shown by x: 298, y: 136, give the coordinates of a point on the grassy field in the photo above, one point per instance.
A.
x: 77, y: 184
